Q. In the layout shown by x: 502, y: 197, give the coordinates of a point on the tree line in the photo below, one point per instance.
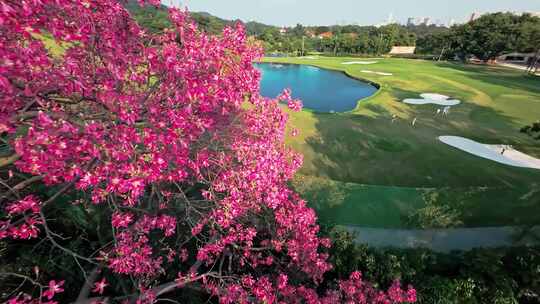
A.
x: 298, y: 40
x: 336, y: 40
x: 485, y: 38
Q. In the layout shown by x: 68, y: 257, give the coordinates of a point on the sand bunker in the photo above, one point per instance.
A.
x: 509, y: 157
x: 450, y: 102
x: 359, y: 62
x: 308, y: 57
x: 377, y: 73
x: 432, y: 98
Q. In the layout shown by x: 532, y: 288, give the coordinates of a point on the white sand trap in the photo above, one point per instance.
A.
x: 510, y: 156
x: 377, y: 73
x: 359, y: 62
x: 432, y: 98
x: 308, y: 57
x: 449, y: 102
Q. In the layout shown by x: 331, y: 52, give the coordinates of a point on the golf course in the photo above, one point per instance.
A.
x: 381, y: 164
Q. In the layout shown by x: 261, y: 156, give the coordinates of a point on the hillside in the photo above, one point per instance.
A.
x: 155, y: 20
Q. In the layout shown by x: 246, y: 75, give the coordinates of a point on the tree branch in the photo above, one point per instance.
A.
x: 49, y: 233
x: 85, y: 291
x: 9, y: 160
x: 20, y: 186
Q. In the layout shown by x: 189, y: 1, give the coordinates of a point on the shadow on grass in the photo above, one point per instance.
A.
x: 359, y: 205
x: 401, y: 94
x: 366, y: 150
x: 403, y: 160
x: 338, y: 203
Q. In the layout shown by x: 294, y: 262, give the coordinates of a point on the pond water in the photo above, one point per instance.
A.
x: 446, y: 240
x: 319, y: 89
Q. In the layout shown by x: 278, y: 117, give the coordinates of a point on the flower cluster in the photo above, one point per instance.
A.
x: 22, y: 220
x: 46, y: 297
x: 133, y: 253
x: 293, y: 104
x: 353, y: 290
x: 170, y: 137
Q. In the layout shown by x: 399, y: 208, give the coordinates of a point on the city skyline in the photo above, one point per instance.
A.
x: 291, y: 12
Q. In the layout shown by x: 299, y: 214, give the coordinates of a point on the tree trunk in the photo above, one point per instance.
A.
x: 442, y: 53
x: 533, y: 68
x: 303, y: 45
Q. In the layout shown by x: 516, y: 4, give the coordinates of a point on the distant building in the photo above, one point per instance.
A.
x: 310, y: 33
x: 283, y: 31
x: 451, y: 23
x: 474, y: 16
x: 439, y: 23
x: 422, y: 21
x: 388, y: 21
x: 535, y: 14
x: 390, y: 18
x: 402, y: 50
x: 325, y: 35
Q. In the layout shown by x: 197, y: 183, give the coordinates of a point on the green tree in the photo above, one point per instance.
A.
x: 529, y: 40
x: 434, y: 44
x: 487, y: 37
x: 298, y: 30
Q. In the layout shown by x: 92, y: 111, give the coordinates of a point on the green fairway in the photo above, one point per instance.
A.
x: 400, y: 162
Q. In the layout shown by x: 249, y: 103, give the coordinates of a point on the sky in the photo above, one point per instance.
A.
x: 318, y: 12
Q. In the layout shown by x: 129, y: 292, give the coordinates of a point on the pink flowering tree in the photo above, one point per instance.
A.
x: 167, y: 141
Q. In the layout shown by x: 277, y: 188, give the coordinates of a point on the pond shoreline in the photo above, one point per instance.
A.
x: 371, y: 82
x: 375, y: 85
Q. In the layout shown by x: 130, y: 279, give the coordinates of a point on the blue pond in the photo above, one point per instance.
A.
x: 319, y: 89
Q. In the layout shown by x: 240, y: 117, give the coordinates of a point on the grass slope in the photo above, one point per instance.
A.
x: 363, y: 146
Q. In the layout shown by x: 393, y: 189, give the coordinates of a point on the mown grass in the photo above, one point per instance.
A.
x: 364, y: 147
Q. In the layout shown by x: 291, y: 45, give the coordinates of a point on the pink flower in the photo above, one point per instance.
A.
x: 177, y: 132
x: 99, y: 287
x: 121, y: 220
x: 54, y: 288
x: 295, y: 105
x: 282, y: 281
x: 29, y: 203
x: 411, y: 295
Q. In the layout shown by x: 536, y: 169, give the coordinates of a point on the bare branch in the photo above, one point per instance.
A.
x: 20, y: 186
x: 85, y: 291
x: 9, y: 160
x: 49, y: 234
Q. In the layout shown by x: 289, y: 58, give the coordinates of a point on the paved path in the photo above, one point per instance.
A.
x: 516, y: 66
x: 446, y: 240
